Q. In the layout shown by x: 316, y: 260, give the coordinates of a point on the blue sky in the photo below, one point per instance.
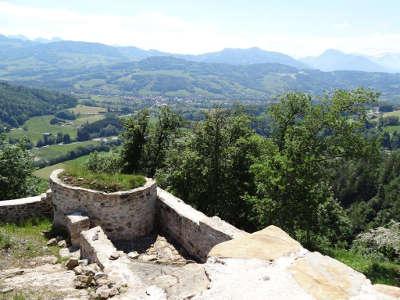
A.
x: 298, y: 28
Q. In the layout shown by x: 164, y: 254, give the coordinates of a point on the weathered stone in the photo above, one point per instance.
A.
x: 78, y: 270
x: 76, y: 223
x: 147, y: 258
x: 6, y: 290
x: 72, y: 263
x: 133, y: 255
x: 64, y: 253
x: 115, y: 255
x: 136, y: 207
x: 268, y: 244
x: 326, y: 278
x: 48, y: 280
x: 105, y: 292
x: 83, y: 262
x: 11, y: 273
x: 196, y: 232
x: 62, y: 244
x: 82, y: 281
x: 388, y: 290
x: 21, y: 209
x: 52, y: 242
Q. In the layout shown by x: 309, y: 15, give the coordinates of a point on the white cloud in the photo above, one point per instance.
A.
x: 155, y: 30
x: 147, y: 30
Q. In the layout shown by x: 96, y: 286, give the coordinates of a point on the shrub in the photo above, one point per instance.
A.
x: 381, y: 241
x: 109, y: 162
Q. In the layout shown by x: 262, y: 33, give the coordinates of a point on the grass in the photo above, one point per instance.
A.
x: 44, y: 173
x: 87, y: 110
x: 378, y: 271
x: 391, y: 129
x: 55, y: 151
x: 395, y: 113
x: 78, y: 175
x: 19, y: 243
x: 36, y: 126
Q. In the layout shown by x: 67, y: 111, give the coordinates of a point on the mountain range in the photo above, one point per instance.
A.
x: 232, y: 74
x: 71, y: 54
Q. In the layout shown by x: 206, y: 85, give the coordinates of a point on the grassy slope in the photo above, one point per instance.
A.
x: 76, y: 174
x: 36, y: 126
x: 44, y: 173
x: 54, y: 151
x: 377, y: 271
x: 21, y: 242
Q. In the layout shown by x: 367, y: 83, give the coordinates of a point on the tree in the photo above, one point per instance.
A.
x: 134, y: 137
x: 59, y: 138
x: 146, y: 144
x: 210, y: 167
x: 16, y: 167
x: 308, y: 139
x: 66, y: 139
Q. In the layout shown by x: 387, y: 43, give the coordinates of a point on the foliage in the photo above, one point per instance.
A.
x: 109, y: 126
x: 16, y: 167
x: 109, y: 162
x: 376, y: 269
x: 292, y: 179
x: 18, y: 103
x: 146, y: 144
x: 382, y: 240
x: 210, y: 168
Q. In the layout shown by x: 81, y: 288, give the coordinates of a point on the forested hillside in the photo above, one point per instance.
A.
x: 19, y: 103
x: 172, y: 77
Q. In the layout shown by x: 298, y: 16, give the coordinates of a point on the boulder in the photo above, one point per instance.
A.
x: 72, y: 263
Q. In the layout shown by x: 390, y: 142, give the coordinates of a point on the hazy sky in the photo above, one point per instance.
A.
x: 295, y: 27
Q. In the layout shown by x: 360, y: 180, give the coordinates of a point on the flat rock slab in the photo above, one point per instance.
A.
x: 178, y: 282
x: 47, y: 281
x: 267, y: 244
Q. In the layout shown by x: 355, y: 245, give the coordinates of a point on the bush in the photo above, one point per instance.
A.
x: 109, y: 162
x: 66, y: 115
x: 382, y: 241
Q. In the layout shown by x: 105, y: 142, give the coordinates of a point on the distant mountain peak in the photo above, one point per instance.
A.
x: 336, y: 60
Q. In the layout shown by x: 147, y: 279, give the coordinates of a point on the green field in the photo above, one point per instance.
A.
x: 55, y: 151
x: 44, y: 173
x: 392, y: 113
x: 87, y: 110
x: 391, y: 129
x: 34, y: 128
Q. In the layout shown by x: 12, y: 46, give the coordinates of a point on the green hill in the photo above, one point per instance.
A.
x: 18, y: 103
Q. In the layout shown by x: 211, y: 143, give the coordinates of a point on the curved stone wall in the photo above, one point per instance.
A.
x: 122, y: 215
x: 21, y: 209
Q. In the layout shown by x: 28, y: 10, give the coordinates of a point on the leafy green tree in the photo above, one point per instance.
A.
x: 134, y: 136
x: 161, y: 138
x: 16, y: 167
x: 210, y: 167
x: 292, y: 179
x: 146, y: 144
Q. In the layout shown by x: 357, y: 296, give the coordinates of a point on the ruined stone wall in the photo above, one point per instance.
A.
x: 21, y: 209
x: 192, y: 229
x: 122, y: 215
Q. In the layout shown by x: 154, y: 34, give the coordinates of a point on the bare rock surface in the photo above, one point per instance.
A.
x: 268, y: 244
x: 48, y: 281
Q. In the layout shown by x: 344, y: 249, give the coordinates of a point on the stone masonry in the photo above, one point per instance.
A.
x: 122, y: 215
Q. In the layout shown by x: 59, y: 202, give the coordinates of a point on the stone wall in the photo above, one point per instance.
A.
x: 192, y: 229
x: 122, y: 215
x: 21, y: 209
